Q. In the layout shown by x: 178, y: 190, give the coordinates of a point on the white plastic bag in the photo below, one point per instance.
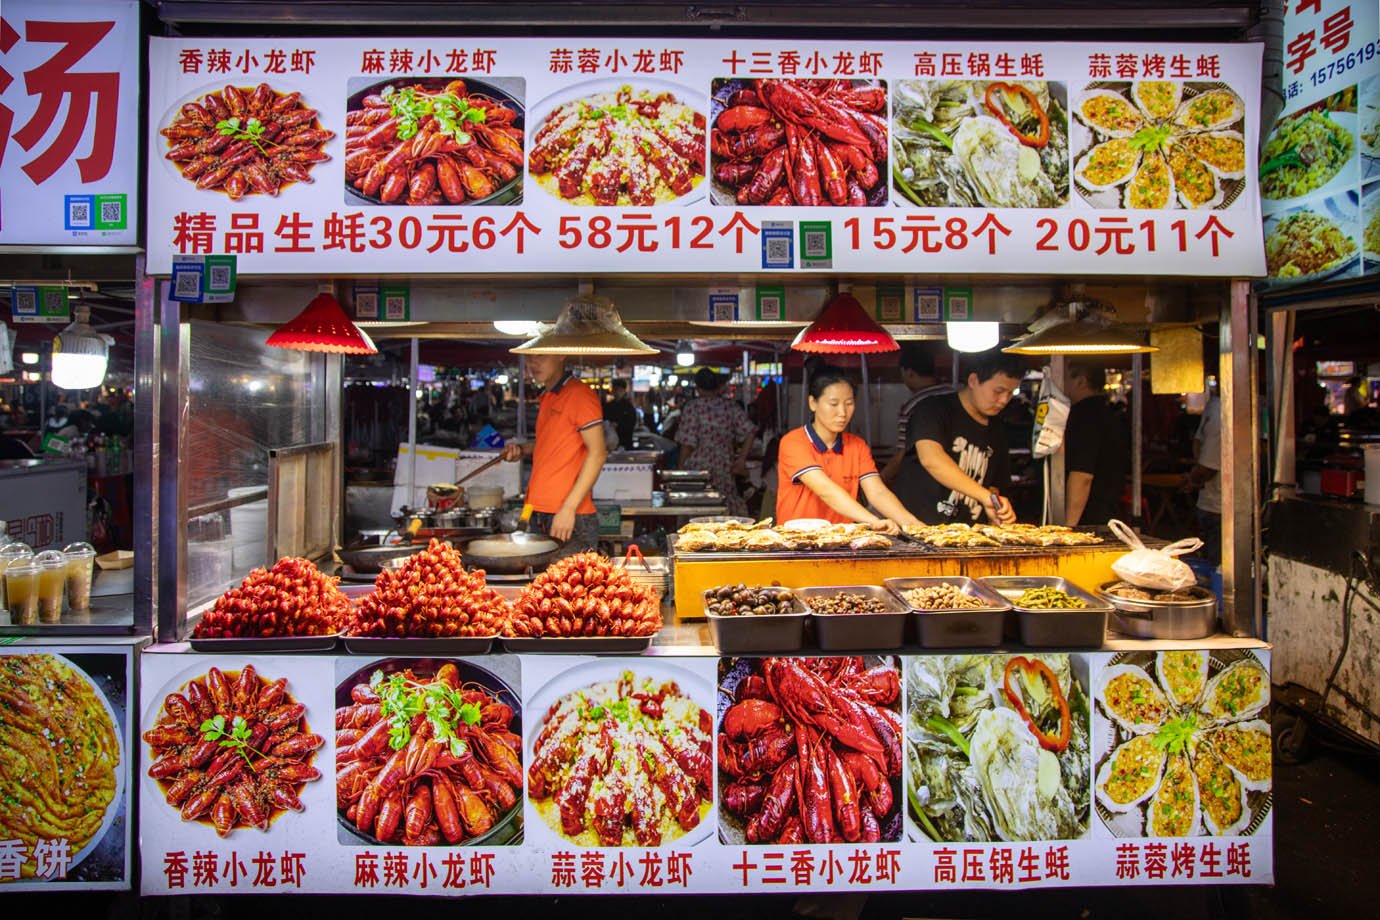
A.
x: 1157, y: 569
x: 1051, y: 417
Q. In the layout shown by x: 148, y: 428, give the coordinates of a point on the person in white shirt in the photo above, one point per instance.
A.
x: 1205, y: 479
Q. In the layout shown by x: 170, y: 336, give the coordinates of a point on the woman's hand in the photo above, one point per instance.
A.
x: 886, y: 526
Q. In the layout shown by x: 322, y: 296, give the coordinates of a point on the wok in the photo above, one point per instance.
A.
x: 511, y: 553
x: 368, y: 559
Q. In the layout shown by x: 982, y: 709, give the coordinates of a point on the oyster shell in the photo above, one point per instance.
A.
x: 1183, y: 674
x: 1175, y: 810
x: 1130, y: 775
x: 1245, y: 748
x: 1158, y: 99
x: 1131, y: 698
x: 1195, y: 184
x: 1107, y: 165
x: 1238, y: 692
x: 1223, y: 152
x: 1221, y: 796
x: 1152, y: 187
x: 1020, y: 781
x: 1210, y: 111
x: 1109, y: 114
x: 1006, y: 173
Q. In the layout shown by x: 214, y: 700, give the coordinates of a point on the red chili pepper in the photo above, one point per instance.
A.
x: 1041, y: 137
x: 1050, y: 742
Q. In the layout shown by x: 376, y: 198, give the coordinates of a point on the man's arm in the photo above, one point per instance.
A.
x: 1076, y: 492
x: 893, y: 467
x: 563, y: 524
x: 937, y: 462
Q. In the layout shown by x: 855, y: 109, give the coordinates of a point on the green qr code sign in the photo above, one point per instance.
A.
x: 112, y: 212
x: 816, y: 243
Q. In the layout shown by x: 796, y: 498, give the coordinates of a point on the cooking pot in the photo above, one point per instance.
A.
x: 486, y: 498
x: 510, y: 553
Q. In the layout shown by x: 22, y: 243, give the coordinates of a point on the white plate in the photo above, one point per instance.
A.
x: 583, y: 675
x: 159, y: 145
x: 1344, y: 180
x: 806, y: 524
x: 537, y: 114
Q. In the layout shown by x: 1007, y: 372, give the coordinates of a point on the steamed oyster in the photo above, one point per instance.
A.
x: 1152, y: 187
x: 1222, y: 797
x: 1195, y: 183
x: 1021, y: 781
x: 1109, y: 114
x: 1183, y: 674
x: 1209, y: 111
x: 1158, y: 99
x: 1246, y: 749
x: 1107, y: 165
x: 1173, y: 812
x: 1223, y: 152
x: 1006, y: 173
x: 1238, y: 692
x: 1132, y: 699
x: 1131, y: 774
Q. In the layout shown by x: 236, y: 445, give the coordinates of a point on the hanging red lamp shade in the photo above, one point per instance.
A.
x: 842, y: 328
x: 323, y: 326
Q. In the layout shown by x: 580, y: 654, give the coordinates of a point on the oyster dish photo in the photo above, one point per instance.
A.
x: 1156, y: 144
x: 980, y: 143
x: 1183, y: 743
x: 998, y: 747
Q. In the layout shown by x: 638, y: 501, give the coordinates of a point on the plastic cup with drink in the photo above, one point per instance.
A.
x: 52, y: 585
x: 81, y: 560
x: 21, y: 590
x: 8, y: 553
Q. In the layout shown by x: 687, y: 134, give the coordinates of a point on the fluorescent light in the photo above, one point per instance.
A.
x: 971, y: 336
x: 29, y: 357
x: 685, y: 359
x: 523, y: 327
x: 80, y: 355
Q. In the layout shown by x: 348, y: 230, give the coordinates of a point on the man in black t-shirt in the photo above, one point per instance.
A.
x: 957, y: 458
x: 1097, y: 449
x: 622, y: 413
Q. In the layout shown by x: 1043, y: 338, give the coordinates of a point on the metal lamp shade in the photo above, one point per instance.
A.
x: 843, y: 327
x: 586, y: 326
x: 1082, y: 337
x: 323, y: 326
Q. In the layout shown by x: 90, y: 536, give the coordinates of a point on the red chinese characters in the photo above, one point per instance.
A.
x: 599, y: 869
x: 1000, y: 866
x: 87, y: 101
x: 819, y: 868
x: 207, y: 869
x: 224, y: 60
x: 1153, y: 65
x: 614, y: 61
x: 1180, y: 862
x: 422, y: 871
x: 981, y: 64
x: 845, y: 62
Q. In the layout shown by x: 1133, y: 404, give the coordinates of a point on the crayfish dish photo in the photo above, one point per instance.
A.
x: 427, y: 755
x: 625, y: 758
x: 427, y: 141
x: 232, y: 749
x: 810, y: 750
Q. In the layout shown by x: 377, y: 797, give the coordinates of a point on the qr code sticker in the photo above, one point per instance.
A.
x: 771, y: 308
x: 188, y: 284
x: 816, y: 245
x: 927, y: 307
x: 79, y: 213
x: 958, y: 308
x: 220, y: 278
x: 778, y: 250
x: 112, y: 212
x: 25, y: 301
x: 395, y: 308
x: 366, y: 305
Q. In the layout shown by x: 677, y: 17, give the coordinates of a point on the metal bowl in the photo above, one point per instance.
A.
x: 1192, y: 619
x: 528, y: 551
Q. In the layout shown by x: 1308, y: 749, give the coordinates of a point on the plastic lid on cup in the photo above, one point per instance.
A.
x: 21, y: 565
x: 16, y: 550
x: 49, y: 559
x: 78, y: 549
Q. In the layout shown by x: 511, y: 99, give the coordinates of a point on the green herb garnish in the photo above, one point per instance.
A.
x: 237, y: 737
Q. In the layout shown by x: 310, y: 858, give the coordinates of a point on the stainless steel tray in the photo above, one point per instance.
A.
x: 267, y: 644
x: 407, y: 645
x: 965, y: 584
x: 772, y: 632
x: 1078, y: 627
x: 684, y: 475
x: 707, y: 497
x: 954, y: 627
x: 839, y: 632
x: 578, y: 645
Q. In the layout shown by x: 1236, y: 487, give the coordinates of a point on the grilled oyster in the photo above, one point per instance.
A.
x: 1246, y: 749
x: 1131, y: 774
x: 1222, y: 797
x: 1107, y: 165
x: 1196, y: 184
x: 697, y: 541
x: 1131, y: 698
x: 1109, y: 114
x: 1174, y: 811
x: 1223, y: 152
x: 1210, y: 111
x: 1158, y: 99
x: 1238, y: 692
x: 1152, y: 187
x: 1183, y: 674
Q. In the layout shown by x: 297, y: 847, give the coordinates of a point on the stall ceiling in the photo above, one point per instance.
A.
x: 1124, y: 19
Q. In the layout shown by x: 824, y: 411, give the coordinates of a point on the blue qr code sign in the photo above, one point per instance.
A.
x: 80, y: 212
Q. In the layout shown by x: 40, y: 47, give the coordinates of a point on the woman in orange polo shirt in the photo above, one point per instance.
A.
x: 821, y: 467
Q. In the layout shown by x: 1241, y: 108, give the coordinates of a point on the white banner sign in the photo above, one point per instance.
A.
x: 541, y: 774
x: 69, y: 111
x: 367, y: 156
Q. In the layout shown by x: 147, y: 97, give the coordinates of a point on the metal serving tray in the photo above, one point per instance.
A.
x: 852, y: 632
x: 954, y: 627
x: 772, y: 632
x: 1076, y: 628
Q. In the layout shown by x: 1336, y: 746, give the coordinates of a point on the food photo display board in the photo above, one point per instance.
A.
x: 349, y: 156
x: 551, y: 774
x: 66, y: 766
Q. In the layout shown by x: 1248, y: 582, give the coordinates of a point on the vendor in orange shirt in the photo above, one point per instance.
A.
x: 821, y: 467
x: 567, y: 455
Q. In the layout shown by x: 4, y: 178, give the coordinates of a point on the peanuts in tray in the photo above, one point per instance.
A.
x: 941, y: 597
